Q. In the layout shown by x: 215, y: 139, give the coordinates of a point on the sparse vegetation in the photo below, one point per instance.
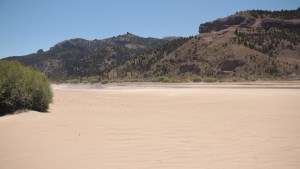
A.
x: 138, y: 66
x: 22, y: 88
x: 268, y: 41
x: 163, y: 79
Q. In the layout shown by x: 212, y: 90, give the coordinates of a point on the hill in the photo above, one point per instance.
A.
x: 248, y: 45
x: 81, y: 58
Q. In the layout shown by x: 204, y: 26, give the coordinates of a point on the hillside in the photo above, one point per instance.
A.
x: 248, y: 45
x: 80, y: 57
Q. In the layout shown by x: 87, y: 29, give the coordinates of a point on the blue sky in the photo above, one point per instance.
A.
x: 26, y: 26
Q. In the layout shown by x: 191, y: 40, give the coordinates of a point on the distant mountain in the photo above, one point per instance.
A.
x: 79, y: 57
x: 248, y: 45
x: 170, y: 38
x: 245, y: 46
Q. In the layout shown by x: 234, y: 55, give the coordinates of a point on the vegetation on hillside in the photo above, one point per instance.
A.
x: 22, y: 88
x: 282, y: 14
x: 268, y: 41
x: 141, y: 65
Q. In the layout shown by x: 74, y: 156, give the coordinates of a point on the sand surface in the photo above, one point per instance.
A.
x: 156, y: 126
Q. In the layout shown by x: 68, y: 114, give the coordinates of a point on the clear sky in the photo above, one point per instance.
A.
x: 29, y: 25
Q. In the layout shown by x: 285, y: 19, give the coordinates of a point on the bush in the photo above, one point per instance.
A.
x: 93, y: 80
x: 197, y: 79
x: 104, y: 81
x: 22, y: 88
x: 163, y: 79
x: 73, y: 81
x: 209, y: 79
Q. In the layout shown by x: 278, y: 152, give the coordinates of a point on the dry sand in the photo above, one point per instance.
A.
x: 150, y: 126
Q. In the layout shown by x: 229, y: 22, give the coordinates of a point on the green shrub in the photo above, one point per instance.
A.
x: 22, y: 88
x: 209, y: 79
x: 104, y: 81
x: 93, y: 80
x: 73, y: 81
x: 163, y: 79
x: 197, y: 79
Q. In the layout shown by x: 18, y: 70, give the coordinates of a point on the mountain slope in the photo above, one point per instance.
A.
x: 248, y: 45
x: 80, y: 57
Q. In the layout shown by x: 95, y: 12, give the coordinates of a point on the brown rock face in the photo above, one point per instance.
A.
x: 231, y: 65
x: 221, y: 24
x: 278, y: 23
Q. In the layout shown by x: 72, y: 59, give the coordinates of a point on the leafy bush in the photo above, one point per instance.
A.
x: 93, y: 80
x: 164, y: 79
x: 73, y: 81
x: 209, y: 79
x: 104, y: 81
x: 197, y: 79
x: 22, y: 88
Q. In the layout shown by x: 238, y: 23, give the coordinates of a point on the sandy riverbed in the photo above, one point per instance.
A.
x: 156, y: 126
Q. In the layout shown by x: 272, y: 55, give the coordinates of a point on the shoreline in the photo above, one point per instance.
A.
x: 194, y: 85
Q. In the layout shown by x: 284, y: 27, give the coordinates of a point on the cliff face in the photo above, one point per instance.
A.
x: 281, y: 24
x: 221, y: 24
x: 289, y: 19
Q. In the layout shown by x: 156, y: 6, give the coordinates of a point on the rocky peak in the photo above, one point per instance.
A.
x: 130, y: 34
x: 127, y: 37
